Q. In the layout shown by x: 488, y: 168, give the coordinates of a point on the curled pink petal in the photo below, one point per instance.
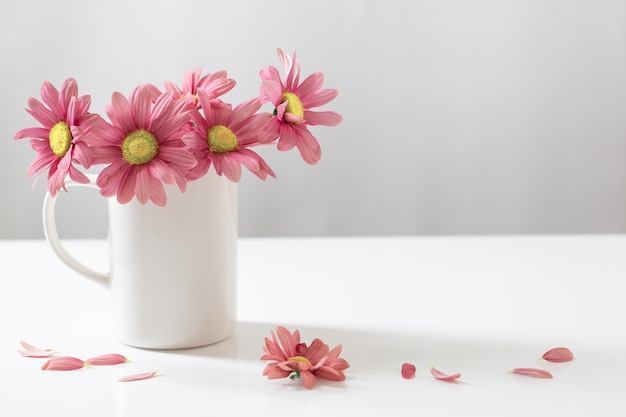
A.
x: 34, y: 353
x: 63, y: 363
x: 138, y: 377
x: 558, y: 354
x: 408, y: 370
x: 31, y: 351
x: 28, y: 346
x: 108, y: 359
x: 534, y: 372
x: 441, y: 376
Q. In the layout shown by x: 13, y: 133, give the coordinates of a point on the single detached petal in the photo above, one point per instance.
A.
x: 31, y: 351
x: 108, y: 359
x: 28, y: 346
x: 534, y: 372
x: 408, y: 370
x: 441, y: 376
x: 63, y: 363
x: 558, y: 354
x: 138, y: 377
x: 36, y: 353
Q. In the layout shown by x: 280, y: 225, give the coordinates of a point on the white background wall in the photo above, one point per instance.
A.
x: 460, y: 117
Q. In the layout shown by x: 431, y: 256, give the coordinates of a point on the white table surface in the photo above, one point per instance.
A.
x: 475, y: 305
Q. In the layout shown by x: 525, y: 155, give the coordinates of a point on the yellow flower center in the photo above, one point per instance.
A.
x: 60, y: 139
x: 301, y: 359
x: 294, y: 105
x: 221, y: 139
x: 139, y: 147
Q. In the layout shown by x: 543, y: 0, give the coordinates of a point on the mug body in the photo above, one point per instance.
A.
x: 173, y: 269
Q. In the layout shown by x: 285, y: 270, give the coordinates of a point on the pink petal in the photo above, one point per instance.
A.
x: 78, y: 176
x: 108, y: 359
x: 288, y: 365
x: 320, y: 98
x: 120, y: 112
x: 50, y: 96
x: 558, y: 354
x: 138, y: 377
x: 272, y: 91
x: 317, y: 351
x: 272, y: 351
x: 334, y: 352
x: 63, y: 363
x: 287, y: 341
x: 170, y: 86
x: 81, y: 106
x: 270, y: 73
x: 157, y: 192
x: 310, y: 86
x: 244, y: 111
x: 324, y: 118
x: 28, y: 346
x: 534, y: 372
x: 142, y: 104
x: 34, y: 351
x: 338, y: 364
x: 69, y: 91
x: 254, y: 163
x: 293, y: 119
x: 273, y: 371
x: 308, y: 379
x: 288, y: 138
x: 190, y: 80
x: 291, y: 67
x: 408, y: 370
x: 178, y: 156
x: 128, y: 182
x: 46, y: 158
x: 309, y: 147
x: 41, y: 113
x: 33, y: 132
x: 441, y: 376
x: 82, y: 154
x: 143, y: 185
x: 330, y: 373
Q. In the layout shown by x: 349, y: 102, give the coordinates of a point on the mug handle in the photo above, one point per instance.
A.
x: 52, y: 235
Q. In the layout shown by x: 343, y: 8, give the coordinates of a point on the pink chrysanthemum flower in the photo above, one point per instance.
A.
x: 143, y: 146
x: 294, y: 359
x: 214, y: 85
x: 223, y: 138
x: 61, y: 140
x: 293, y: 101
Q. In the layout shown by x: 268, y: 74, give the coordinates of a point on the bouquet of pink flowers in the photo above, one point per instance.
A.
x: 155, y: 137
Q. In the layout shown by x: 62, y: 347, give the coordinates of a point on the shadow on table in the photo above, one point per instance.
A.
x: 376, y: 351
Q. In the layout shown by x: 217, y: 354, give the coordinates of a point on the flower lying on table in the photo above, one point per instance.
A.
x: 291, y: 358
x: 156, y: 137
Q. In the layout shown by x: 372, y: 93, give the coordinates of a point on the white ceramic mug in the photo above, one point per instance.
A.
x: 173, y: 269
